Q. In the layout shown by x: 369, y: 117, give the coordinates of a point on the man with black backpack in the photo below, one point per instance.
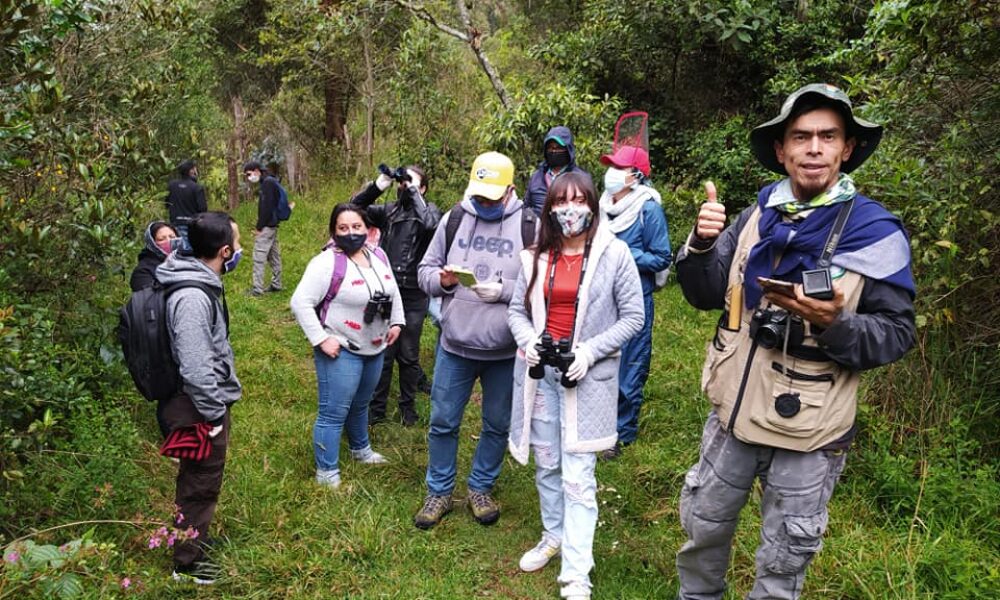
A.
x: 473, y: 264
x: 271, y: 198
x: 197, y: 324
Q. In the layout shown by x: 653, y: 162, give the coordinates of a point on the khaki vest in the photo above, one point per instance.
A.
x: 743, y: 378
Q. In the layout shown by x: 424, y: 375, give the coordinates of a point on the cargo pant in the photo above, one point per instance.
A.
x: 266, y: 249
x: 796, y: 489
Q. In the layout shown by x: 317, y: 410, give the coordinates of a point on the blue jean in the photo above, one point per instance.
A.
x: 345, y: 386
x: 632, y: 376
x: 453, y: 380
x: 567, y: 486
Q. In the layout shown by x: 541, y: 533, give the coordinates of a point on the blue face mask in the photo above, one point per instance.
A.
x: 488, y: 213
x: 234, y: 260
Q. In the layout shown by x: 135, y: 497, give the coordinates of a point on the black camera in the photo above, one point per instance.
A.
x: 553, y: 354
x: 768, y: 328
x: 380, y: 304
x: 399, y: 174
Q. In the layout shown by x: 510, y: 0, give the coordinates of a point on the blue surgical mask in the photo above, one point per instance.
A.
x: 614, y: 179
x: 488, y: 213
x: 234, y: 260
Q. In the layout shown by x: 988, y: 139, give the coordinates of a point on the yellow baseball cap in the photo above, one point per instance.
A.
x: 492, y: 173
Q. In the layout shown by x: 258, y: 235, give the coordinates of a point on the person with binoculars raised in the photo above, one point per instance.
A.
x: 406, y: 228
x: 349, y: 306
x: 577, y: 300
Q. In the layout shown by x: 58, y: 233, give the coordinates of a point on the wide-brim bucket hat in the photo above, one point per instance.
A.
x: 866, y: 133
x: 492, y: 173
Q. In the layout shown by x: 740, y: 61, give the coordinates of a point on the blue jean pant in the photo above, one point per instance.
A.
x: 345, y: 386
x: 632, y: 376
x: 567, y: 486
x: 454, y: 377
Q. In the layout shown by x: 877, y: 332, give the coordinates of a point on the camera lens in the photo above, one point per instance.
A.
x: 768, y: 336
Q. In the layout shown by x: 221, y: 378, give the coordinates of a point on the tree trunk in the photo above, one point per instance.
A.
x: 236, y: 152
x: 369, y: 100
x: 335, y: 108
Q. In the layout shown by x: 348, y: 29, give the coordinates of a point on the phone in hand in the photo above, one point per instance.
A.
x: 777, y: 286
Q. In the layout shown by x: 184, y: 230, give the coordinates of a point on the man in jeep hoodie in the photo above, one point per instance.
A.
x: 199, y: 339
x: 475, y: 341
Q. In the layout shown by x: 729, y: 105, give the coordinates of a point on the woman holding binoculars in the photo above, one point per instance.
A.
x: 577, y: 300
x: 349, y: 307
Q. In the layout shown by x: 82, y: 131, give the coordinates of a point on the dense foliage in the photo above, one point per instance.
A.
x: 99, y: 99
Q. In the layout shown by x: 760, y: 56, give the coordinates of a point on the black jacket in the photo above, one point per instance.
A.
x: 267, y: 202
x: 185, y: 198
x: 407, y: 225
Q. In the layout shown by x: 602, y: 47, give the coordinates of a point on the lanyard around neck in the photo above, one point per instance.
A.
x: 364, y: 277
x: 552, y: 281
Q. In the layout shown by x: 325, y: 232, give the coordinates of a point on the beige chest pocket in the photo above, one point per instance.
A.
x: 717, y: 375
x: 798, y: 399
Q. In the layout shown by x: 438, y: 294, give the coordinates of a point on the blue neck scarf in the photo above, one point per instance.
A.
x: 874, y: 244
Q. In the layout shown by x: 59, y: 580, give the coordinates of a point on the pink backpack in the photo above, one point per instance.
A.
x: 339, y: 270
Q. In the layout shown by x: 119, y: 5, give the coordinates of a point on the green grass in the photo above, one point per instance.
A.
x: 288, y: 538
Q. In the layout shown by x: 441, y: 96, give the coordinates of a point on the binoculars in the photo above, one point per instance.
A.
x: 380, y: 304
x: 398, y: 174
x: 553, y: 354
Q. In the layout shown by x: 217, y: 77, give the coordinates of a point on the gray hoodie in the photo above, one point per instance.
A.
x: 470, y: 327
x: 200, y: 345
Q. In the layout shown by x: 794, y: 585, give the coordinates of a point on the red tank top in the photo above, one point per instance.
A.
x: 563, y: 295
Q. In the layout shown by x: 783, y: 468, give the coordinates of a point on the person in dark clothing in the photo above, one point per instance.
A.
x: 407, y: 226
x: 159, y: 243
x: 560, y: 157
x: 265, y: 244
x: 185, y: 198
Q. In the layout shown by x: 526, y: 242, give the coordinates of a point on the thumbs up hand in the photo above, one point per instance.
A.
x: 712, y: 216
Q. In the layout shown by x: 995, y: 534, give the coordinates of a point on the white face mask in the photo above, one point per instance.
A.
x: 616, y: 179
x: 253, y: 178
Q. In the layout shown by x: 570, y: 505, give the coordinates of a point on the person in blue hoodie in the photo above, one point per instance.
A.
x: 472, y: 263
x: 631, y: 208
x: 560, y: 157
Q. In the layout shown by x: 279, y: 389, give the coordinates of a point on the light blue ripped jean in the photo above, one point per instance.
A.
x: 567, y: 487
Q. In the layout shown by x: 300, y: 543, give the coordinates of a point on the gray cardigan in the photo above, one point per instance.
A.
x: 610, y: 313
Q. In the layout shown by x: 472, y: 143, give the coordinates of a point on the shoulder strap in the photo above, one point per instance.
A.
x: 380, y: 254
x: 451, y: 227
x: 170, y: 289
x: 339, y: 270
x: 528, y: 225
x: 826, y: 259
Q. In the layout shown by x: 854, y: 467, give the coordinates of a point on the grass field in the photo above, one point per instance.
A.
x: 285, y: 537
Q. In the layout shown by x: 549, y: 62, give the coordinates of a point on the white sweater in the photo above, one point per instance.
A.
x: 345, y: 318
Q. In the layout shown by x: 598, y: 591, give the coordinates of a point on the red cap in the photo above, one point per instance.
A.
x: 628, y: 156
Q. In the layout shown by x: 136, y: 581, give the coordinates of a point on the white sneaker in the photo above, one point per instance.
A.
x: 540, y: 555
x: 575, y: 591
x: 368, y: 456
x: 330, y: 479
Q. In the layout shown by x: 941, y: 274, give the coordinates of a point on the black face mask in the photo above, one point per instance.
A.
x: 352, y: 242
x: 557, y: 159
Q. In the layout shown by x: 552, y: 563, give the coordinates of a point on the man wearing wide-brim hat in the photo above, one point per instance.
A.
x: 815, y: 285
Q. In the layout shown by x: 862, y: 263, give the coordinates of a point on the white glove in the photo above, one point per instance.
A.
x: 215, y: 431
x: 488, y: 292
x: 383, y: 181
x: 581, y: 364
x: 531, y: 356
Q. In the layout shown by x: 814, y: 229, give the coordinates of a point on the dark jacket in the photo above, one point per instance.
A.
x: 407, y: 226
x: 267, y: 202
x: 538, y: 186
x: 185, y: 198
x: 150, y: 257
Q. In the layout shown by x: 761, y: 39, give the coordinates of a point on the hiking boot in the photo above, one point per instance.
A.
x: 611, y: 453
x: 367, y: 456
x: 424, y: 385
x: 433, y: 510
x: 254, y: 293
x: 274, y: 288
x: 202, y: 572
x: 330, y: 479
x: 540, y: 555
x: 484, y: 507
x: 408, y: 416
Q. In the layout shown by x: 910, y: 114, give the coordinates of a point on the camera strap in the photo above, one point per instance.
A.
x: 826, y: 259
x: 371, y: 265
x: 552, y: 282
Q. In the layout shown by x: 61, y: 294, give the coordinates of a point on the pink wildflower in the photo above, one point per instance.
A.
x: 126, y: 582
x: 171, y: 539
x: 12, y: 557
x: 154, y: 542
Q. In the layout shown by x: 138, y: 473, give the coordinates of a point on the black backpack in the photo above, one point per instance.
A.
x: 145, y: 339
x: 455, y: 215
